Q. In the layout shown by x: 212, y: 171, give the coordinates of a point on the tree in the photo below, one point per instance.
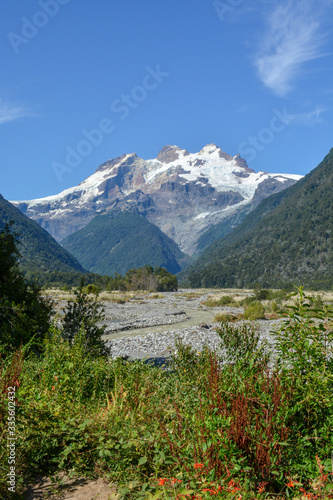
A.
x: 25, y: 316
x: 85, y: 314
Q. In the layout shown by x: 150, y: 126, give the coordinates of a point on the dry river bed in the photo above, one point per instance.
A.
x: 147, y: 325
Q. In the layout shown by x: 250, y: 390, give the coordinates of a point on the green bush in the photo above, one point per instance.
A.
x: 254, y: 311
x: 85, y: 315
x: 241, y: 342
x: 222, y: 301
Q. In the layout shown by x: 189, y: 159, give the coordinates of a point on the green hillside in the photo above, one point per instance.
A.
x: 40, y: 253
x: 286, y: 240
x: 118, y: 242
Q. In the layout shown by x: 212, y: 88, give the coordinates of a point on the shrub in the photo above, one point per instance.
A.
x: 222, y: 317
x: 254, y: 311
x: 262, y: 294
x: 85, y: 315
x: 92, y: 289
x: 222, y: 301
x: 240, y: 342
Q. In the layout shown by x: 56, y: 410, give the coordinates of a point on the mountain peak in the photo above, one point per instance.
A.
x: 213, y: 149
x: 209, y: 149
x: 114, y: 161
x: 169, y: 154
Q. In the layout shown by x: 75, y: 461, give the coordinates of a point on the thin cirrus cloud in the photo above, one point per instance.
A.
x: 10, y: 112
x: 294, y: 36
x: 311, y: 117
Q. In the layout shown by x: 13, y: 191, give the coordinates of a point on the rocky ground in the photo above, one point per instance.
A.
x: 147, y: 325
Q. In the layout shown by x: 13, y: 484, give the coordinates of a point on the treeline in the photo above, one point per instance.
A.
x: 146, y: 278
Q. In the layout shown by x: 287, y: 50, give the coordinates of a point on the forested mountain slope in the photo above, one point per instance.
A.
x: 286, y: 240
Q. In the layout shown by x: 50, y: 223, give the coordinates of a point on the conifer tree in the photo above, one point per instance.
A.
x: 25, y: 316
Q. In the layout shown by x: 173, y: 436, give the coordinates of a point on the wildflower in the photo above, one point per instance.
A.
x: 16, y: 382
x: 307, y: 495
x: 291, y: 484
x: 262, y: 487
x: 210, y: 490
x: 175, y: 480
x: 53, y: 388
x: 162, y: 480
x: 198, y: 466
x: 56, y: 378
x: 232, y: 486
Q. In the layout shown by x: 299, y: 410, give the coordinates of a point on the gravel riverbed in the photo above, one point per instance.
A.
x: 163, y: 345
x: 150, y: 328
x: 147, y: 325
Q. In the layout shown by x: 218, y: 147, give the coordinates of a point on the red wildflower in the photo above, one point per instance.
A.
x: 307, y: 495
x: 211, y: 491
x: 16, y: 382
x: 53, y: 388
x: 198, y: 466
x: 175, y: 480
x: 162, y: 480
x: 232, y: 486
x: 262, y: 487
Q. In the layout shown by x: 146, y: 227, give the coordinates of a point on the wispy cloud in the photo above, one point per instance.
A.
x: 10, y: 112
x: 294, y: 36
x: 311, y: 117
x: 244, y: 108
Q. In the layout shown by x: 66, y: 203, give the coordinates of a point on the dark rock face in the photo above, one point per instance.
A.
x: 224, y: 155
x: 242, y: 163
x: 169, y: 154
x: 269, y: 187
x: 111, y: 163
x: 181, y: 193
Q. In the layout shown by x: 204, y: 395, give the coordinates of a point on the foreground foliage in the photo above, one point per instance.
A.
x: 253, y: 427
x: 24, y: 315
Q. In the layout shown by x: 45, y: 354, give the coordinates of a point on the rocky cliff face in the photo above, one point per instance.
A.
x: 183, y: 194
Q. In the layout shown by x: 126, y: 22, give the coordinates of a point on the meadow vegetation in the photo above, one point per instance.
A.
x: 251, y: 424
x: 249, y: 427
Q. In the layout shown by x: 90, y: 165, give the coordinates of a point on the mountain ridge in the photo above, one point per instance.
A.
x: 39, y: 251
x: 117, y: 242
x: 182, y: 193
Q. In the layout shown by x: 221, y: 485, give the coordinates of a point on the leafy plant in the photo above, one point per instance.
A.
x: 254, y: 311
x: 241, y: 342
x: 85, y: 314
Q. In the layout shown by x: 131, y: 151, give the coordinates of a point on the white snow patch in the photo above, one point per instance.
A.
x: 202, y: 216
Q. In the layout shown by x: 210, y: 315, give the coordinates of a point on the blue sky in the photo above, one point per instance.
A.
x: 82, y: 82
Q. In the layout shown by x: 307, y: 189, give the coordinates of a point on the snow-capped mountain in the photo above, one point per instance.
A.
x: 181, y: 193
